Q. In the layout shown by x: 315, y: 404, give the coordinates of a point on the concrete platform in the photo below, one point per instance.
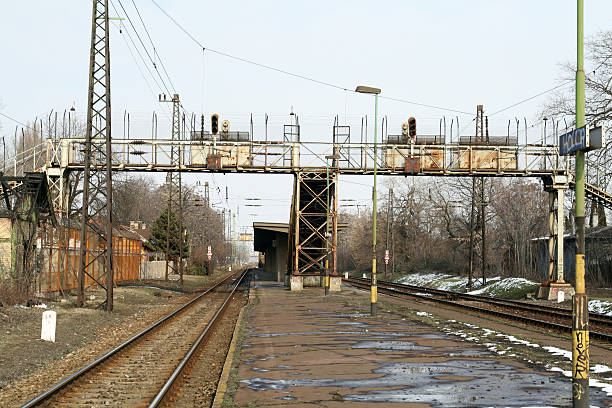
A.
x: 302, y: 349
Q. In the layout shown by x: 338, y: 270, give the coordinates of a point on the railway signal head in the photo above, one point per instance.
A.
x: 225, y: 126
x: 405, y: 129
x: 412, y: 130
x: 214, y: 124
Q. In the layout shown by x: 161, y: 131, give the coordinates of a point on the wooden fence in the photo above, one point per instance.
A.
x: 58, y: 259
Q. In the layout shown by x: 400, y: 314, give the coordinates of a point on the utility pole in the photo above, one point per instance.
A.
x: 392, y: 234
x: 580, y: 304
x: 483, y: 248
x: 478, y: 136
x: 98, y: 183
x: 471, y: 270
x: 174, y: 185
x: 389, y: 209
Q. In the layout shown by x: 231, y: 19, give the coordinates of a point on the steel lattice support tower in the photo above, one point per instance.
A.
x: 96, y: 247
x: 174, y: 188
x: 308, y: 245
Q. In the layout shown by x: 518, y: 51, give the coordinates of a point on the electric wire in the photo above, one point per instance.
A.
x: 154, y: 47
x: 136, y: 62
x: 532, y: 97
x: 16, y: 121
x: 140, y: 55
x: 145, y: 48
x: 423, y: 105
x: 283, y: 71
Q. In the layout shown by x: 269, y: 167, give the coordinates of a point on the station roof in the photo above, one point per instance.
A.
x: 264, y: 233
x: 272, y: 226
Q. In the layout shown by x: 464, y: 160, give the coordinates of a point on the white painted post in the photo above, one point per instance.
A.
x: 47, y: 331
x: 345, y: 275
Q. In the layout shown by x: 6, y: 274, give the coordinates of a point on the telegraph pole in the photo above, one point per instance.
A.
x: 392, y: 234
x: 483, y: 248
x: 471, y: 270
x: 389, y: 209
x: 580, y: 304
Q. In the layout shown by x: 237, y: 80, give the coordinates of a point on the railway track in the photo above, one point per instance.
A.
x: 146, y: 370
x: 538, y: 315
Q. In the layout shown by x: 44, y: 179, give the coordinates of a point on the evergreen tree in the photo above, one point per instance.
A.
x: 159, y: 231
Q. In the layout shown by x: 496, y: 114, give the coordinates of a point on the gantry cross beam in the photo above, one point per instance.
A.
x: 236, y: 152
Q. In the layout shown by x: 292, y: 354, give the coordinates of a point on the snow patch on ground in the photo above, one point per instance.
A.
x: 505, y: 285
x: 558, y: 352
x: 502, y: 349
x: 442, y: 281
x: 424, y: 314
x: 495, y: 285
x: 602, y: 307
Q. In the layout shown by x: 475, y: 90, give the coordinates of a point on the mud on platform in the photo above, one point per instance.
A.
x: 305, y: 350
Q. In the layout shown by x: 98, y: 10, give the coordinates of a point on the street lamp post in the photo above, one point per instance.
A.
x: 373, y: 289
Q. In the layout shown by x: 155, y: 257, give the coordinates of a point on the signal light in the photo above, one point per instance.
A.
x: 225, y: 126
x: 404, y: 129
x: 214, y: 124
x: 412, y: 130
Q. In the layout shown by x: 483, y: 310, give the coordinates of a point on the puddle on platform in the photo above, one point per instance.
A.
x: 483, y: 383
x: 265, y: 358
x: 355, y: 324
x: 389, y: 345
x: 356, y: 315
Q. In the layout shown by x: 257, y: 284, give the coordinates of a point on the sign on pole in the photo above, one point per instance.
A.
x: 582, y: 138
x: 209, y: 253
x: 386, y: 256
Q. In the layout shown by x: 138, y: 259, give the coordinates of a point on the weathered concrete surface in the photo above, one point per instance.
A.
x: 335, y: 283
x: 306, y: 350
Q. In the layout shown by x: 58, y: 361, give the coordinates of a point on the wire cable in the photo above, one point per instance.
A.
x: 532, y: 97
x: 283, y: 71
x: 145, y: 48
x: 16, y: 121
x: 153, y: 45
x: 136, y: 63
x: 423, y: 104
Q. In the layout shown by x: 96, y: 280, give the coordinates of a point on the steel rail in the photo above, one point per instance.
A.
x: 542, y: 323
x: 63, y: 383
x: 177, y: 371
x: 549, y: 310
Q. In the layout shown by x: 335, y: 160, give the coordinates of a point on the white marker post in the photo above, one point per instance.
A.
x: 47, y: 331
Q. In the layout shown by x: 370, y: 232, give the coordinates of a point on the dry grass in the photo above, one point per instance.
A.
x: 12, y: 292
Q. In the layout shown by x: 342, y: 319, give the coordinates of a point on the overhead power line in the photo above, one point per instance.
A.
x: 285, y: 72
x: 424, y: 105
x: 532, y: 97
x: 153, y: 46
x: 145, y: 48
x: 16, y: 121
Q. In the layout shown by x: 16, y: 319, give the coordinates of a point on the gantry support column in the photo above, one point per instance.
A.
x: 308, y: 244
x: 555, y: 282
x: 58, y: 180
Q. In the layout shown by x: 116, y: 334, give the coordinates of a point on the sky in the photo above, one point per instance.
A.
x: 449, y: 54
